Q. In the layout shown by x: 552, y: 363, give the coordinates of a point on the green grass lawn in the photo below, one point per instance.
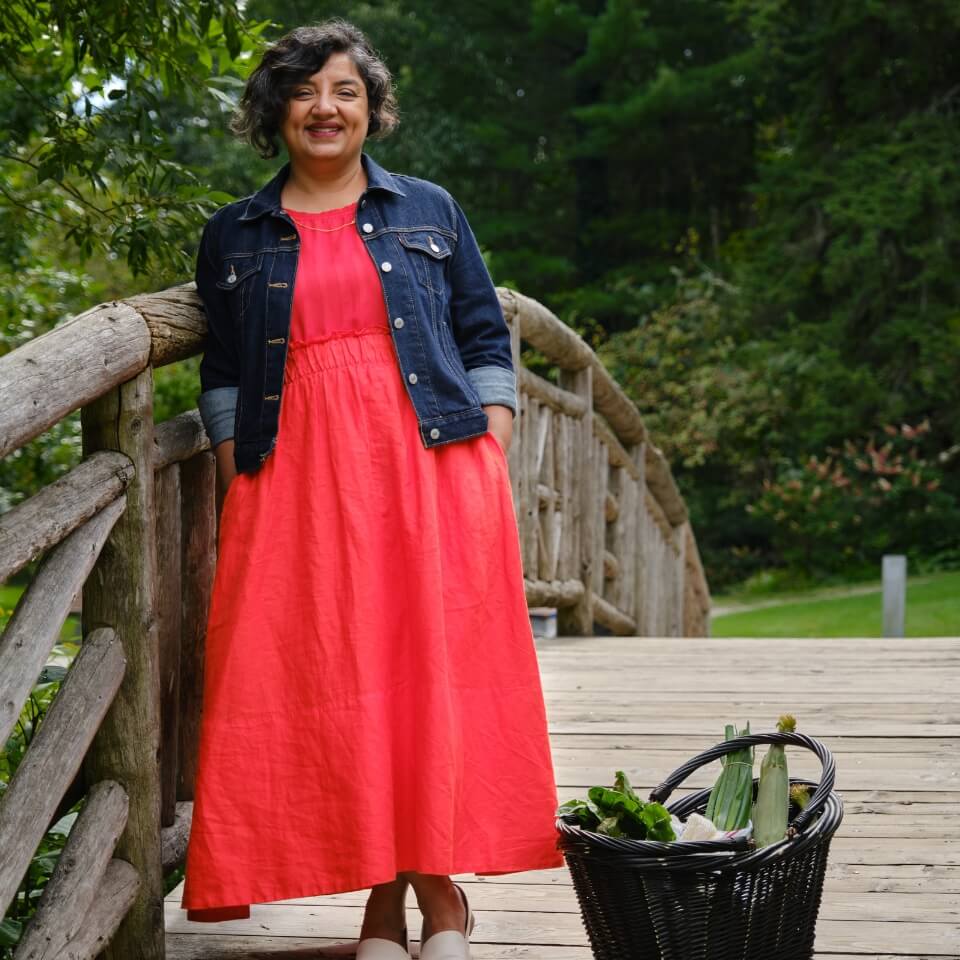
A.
x: 933, y: 610
x: 10, y: 596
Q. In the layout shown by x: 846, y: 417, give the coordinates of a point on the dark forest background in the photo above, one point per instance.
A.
x: 750, y: 208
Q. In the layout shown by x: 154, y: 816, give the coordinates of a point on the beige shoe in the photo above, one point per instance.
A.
x: 450, y: 944
x: 379, y: 948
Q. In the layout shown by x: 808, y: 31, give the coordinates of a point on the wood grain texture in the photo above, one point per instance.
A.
x: 892, y: 890
x: 584, y: 498
x: 48, y: 377
x: 35, y: 625
x: 198, y: 525
x: 55, y: 511
x: 55, y: 753
x: 169, y: 578
x: 69, y: 895
x: 113, y: 902
x: 122, y: 591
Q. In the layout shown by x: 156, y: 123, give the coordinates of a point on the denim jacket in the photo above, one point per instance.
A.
x: 450, y: 337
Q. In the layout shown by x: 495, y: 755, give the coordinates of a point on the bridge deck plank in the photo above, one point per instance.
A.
x: 885, y: 707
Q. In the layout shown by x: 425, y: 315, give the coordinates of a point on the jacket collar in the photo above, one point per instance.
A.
x: 267, y: 198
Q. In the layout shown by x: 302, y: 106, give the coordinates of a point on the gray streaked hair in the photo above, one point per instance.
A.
x: 297, y: 55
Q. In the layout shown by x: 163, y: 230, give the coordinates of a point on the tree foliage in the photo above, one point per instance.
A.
x: 749, y: 207
x: 86, y: 90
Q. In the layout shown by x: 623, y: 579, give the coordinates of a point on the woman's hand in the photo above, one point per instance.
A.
x: 500, y: 423
x: 226, y: 470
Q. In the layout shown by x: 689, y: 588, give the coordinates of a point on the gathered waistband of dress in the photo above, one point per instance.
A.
x: 341, y: 349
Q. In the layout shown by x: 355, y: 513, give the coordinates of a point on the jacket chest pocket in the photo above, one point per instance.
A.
x: 429, y: 252
x: 237, y: 275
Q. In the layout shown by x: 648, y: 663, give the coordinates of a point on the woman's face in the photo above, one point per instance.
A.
x: 327, y: 114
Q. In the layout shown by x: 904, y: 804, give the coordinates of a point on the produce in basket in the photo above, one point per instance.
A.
x: 771, y: 812
x: 619, y: 812
x: 732, y: 795
x: 700, y: 828
x: 800, y: 794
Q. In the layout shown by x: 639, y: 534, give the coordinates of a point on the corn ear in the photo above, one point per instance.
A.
x: 772, y: 809
x: 800, y: 794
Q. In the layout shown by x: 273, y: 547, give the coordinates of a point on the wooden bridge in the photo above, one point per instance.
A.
x: 887, y: 708
x: 604, y: 533
x: 605, y: 539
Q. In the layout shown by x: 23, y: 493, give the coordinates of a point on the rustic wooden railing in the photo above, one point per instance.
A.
x: 605, y: 539
x: 605, y: 534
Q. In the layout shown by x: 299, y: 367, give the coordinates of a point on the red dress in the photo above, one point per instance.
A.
x: 372, y: 699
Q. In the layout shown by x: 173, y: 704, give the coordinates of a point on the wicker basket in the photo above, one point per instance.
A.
x: 707, y: 900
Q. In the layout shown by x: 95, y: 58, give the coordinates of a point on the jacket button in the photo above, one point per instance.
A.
x: 368, y: 228
x: 398, y: 322
x: 412, y: 378
x: 386, y: 266
x: 434, y: 433
x: 434, y: 247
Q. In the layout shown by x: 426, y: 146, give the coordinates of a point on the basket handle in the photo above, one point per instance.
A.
x: 817, y: 801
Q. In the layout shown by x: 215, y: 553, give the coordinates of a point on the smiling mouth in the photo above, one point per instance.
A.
x: 322, y: 131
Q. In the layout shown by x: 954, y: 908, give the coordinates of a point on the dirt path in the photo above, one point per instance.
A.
x: 830, y: 593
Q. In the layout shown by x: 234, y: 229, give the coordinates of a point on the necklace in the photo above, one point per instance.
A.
x: 307, y: 226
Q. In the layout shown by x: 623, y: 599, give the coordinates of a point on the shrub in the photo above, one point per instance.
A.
x: 866, y: 498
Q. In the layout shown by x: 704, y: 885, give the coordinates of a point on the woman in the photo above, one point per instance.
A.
x: 373, y: 715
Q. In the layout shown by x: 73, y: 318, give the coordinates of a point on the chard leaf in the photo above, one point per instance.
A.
x: 610, y: 827
x: 656, y: 817
x: 622, y: 783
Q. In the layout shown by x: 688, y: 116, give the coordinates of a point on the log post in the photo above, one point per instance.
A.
x: 169, y: 578
x: 679, y: 560
x: 121, y: 592
x: 640, y: 544
x: 577, y: 620
x: 515, y: 454
x: 198, y: 523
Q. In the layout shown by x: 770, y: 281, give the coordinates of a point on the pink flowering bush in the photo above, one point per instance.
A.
x: 866, y: 498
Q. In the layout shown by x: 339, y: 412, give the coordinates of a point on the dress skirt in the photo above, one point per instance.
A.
x: 371, y: 697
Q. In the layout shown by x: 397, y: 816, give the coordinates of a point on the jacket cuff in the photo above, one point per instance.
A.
x: 218, y: 408
x: 495, y: 384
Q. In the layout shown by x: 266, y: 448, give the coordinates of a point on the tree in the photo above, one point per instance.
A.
x: 86, y: 89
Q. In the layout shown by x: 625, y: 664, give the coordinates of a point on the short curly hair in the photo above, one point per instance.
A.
x: 293, y: 58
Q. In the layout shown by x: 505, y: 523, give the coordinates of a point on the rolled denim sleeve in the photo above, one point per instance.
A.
x: 220, y: 364
x: 479, y: 327
x: 218, y: 411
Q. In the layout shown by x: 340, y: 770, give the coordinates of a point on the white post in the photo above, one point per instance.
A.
x: 894, y: 594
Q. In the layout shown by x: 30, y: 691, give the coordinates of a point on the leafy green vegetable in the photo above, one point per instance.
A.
x: 732, y: 795
x: 619, y: 812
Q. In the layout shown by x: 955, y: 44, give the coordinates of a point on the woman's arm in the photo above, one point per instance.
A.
x: 501, y: 423
x: 220, y: 363
x: 226, y: 470
x: 219, y: 368
x: 481, y: 332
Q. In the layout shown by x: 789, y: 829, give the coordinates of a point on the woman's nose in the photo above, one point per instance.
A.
x: 322, y: 103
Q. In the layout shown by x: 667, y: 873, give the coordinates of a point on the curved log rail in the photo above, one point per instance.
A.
x: 604, y: 534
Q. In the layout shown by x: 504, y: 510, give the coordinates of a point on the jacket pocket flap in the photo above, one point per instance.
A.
x: 426, y: 242
x: 234, y: 268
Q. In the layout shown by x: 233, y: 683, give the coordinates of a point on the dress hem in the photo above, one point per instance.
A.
x: 242, y: 911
